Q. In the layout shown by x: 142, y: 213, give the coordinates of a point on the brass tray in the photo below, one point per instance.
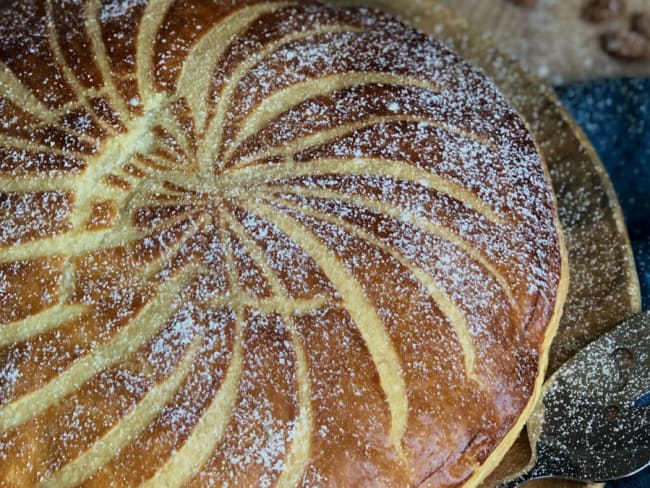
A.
x: 604, y: 287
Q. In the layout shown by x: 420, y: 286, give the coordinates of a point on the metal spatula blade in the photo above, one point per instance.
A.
x: 594, y: 421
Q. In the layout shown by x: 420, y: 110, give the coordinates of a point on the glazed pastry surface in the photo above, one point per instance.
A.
x: 252, y: 243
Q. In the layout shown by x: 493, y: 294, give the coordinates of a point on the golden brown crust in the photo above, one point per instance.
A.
x: 252, y: 243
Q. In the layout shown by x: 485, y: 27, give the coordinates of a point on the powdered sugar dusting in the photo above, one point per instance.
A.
x: 400, y: 162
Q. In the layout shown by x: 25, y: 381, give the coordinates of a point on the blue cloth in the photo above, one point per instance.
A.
x: 615, y: 114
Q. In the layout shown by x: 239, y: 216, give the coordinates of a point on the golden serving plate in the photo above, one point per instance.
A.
x: 604, y: 285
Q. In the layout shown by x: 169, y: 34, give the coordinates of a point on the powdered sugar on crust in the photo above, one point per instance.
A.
x: 259, y: 243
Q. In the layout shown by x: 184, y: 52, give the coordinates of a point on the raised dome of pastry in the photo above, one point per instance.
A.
x: 252, y: 243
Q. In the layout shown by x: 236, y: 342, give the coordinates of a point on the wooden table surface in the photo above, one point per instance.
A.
x: 551, y: 39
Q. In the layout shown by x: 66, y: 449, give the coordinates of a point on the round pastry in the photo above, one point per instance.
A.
x: 252, y: 243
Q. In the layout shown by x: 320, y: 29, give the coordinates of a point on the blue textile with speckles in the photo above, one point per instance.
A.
x: 615, y: 114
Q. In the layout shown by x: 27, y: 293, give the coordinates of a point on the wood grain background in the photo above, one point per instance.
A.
x: 551, y: 39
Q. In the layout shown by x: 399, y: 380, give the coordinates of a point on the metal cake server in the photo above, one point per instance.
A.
x: 594, y: 421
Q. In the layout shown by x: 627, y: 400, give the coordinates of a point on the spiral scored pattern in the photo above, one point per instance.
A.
x: 249, y: 243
